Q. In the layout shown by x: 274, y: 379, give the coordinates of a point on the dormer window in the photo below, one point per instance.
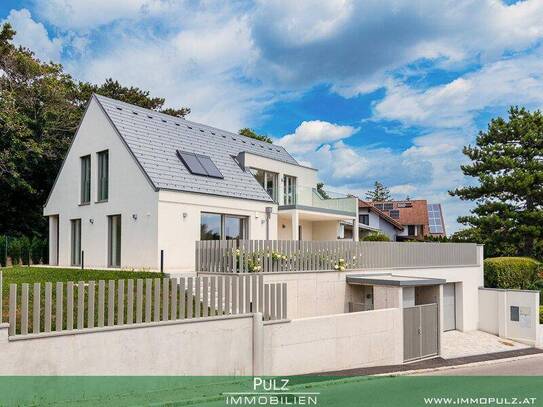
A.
x: 268, y: 180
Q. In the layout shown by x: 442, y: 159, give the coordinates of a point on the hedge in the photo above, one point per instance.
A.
x: 512, y: 272
x: 23, y: 250
x: 376, y: 237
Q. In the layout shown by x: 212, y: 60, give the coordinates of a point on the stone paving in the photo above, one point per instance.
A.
x: 458, y: 344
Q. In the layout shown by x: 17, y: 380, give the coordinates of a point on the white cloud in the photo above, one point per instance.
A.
x: 345, y: 43
x: 311, y: 134
x: 34, y: 36
x: 84, y: 14
x: 455, y: 104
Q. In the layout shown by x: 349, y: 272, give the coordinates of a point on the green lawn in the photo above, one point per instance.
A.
x: 23, y: 274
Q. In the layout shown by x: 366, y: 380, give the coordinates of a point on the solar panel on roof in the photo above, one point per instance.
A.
x: 199, y: 164
x: 209, y: 166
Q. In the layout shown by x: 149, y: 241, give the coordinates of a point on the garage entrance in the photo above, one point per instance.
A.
x: 449, y: 307
x: 420, y: 332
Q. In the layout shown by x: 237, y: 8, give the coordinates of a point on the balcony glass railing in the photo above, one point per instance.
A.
x: 308, y: 196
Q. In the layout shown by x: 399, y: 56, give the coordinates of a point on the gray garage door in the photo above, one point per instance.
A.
x: 420, y: 332
x: 449, y: 307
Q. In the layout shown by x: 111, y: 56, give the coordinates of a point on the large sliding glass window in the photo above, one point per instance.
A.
x: 215, y: 226
x: 76, y: 242
x: 103, y: 175
x: 289, y: 190
x: 268, y: 180
x: 114, y: 241
x: 85, y: 179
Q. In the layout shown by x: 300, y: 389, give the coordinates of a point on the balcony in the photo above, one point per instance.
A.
x: 310, y: 199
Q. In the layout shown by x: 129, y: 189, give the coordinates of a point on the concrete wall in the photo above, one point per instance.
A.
x: 324, y: 293
x: 386, y: 296
x: 233, y: 345
x: 222, y: 346
x: 333, y: 342
x: 495, y: 314
x: 130, y: 193
x: 325, y: 230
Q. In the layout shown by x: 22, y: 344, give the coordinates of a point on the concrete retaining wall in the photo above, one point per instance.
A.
x: 233, y: 345
x: 312, y: 294
x: 218, y: 346
x: 333, y: 342
x: 496, y: 315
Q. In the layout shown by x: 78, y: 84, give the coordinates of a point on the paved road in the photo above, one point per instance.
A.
x: 532, y: 366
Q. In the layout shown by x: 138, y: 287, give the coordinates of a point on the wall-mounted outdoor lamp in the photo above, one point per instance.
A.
x: 185, y: 214
x: 91, y: 221
x: 135, y: 216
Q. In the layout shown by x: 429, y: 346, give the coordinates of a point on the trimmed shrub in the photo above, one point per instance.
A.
x: 541, y: 314
x: 14, y: 251
x: 25, y: 249
x: 37, y: 250
x: 511, y: 272
x: 376, y: 237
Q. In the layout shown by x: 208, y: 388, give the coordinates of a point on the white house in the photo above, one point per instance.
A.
x: 136, y: 183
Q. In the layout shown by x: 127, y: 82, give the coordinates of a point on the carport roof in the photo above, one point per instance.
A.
x: 395, y: 280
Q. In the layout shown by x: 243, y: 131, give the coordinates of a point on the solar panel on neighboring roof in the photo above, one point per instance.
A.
x: 199, y: 164
x: 435, y: 220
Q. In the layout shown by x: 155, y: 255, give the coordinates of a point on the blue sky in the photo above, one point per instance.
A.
x: 364, y: 90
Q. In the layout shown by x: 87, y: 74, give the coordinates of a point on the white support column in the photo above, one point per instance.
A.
x: 295, y: 222
x: 355, y: 230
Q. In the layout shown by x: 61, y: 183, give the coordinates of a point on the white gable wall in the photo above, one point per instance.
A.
x: 130, y: 193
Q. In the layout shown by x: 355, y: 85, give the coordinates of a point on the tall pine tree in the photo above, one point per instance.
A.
x: 507, y: 161
x: 379, y: 193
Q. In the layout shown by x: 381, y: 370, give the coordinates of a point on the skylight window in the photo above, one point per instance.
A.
x: 199, y: 164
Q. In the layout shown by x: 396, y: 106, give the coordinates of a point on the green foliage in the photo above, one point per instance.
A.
x: 3, y: 251
x: 40, y: 109
x: 376, y: 237
x: 321, y: 191
x: 250, y: 133
x: 38, y: 250
x: 541, y: 314
x: 506, y: 161
x: 14, y: 250
x: 511, y: 272
x: 379, y: 193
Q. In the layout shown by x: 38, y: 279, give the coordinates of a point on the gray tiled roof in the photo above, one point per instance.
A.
x: 154, y: 138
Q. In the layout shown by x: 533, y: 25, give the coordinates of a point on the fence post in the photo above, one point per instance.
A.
x: 162, y: 261
x: 82, y: 259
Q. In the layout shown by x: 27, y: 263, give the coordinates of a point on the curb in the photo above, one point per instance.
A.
x: 474, y: 364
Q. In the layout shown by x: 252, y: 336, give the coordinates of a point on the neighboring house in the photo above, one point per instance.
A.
x: 418, y: 218
x: 137, y: 183
x: 373, y: 220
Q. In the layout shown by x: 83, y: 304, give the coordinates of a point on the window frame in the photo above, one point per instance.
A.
x: 274, y: 176
x: 75, y: 236
x: 118, y: 237
x: 244, y: 225
x: 289, y: 198
x: 100, y: 176
x: 365, y: 216
x: 85, y: 180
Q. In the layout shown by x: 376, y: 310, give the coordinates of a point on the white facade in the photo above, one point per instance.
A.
x: 156, y: 221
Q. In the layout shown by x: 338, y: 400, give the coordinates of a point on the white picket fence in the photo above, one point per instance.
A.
x: 77, y: 306
x: 230, y: 256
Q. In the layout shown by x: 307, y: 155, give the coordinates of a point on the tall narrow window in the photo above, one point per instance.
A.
x: 103, y: 175
x: 289, y: 190
x: 85, y: 179
x: 114, y: 238
x: 76, y: 242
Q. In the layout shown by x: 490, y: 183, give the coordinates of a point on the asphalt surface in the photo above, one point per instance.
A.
x: 531, y: 366
x: 436, y: 363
